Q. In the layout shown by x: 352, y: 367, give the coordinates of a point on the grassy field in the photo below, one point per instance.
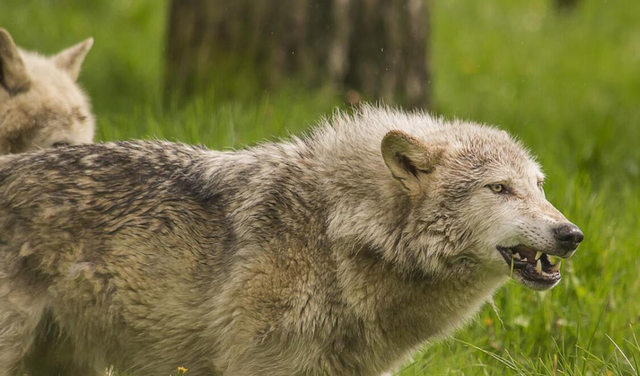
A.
x: 568, y: 85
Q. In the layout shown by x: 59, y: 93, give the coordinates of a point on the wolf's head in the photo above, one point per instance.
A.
x: 477, y: 189
x: 41, y: 105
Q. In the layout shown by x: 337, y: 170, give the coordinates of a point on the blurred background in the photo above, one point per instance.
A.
x: 562, y: 75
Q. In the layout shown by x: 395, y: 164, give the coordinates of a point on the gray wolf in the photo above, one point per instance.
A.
x: 337, y: 253
x: 41, y: 105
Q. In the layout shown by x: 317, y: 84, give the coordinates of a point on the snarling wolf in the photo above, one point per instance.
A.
x: 337, y: 253
x: 41, y: 105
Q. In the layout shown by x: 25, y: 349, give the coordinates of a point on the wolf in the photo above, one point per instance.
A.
x: 41, y: 105
x: 340, y: 252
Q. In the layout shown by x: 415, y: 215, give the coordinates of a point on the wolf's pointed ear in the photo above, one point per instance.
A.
x: 13, y: 74
x: 409, y: 159
x: 70, y: 60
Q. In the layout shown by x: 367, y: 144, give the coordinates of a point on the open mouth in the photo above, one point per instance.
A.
x: 537, y: 269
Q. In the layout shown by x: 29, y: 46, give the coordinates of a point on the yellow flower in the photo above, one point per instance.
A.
x: 182, y: 370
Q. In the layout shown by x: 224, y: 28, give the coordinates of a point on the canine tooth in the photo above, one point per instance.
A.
x: 538, y: 255
x: 517, y: 256
x: 525, y: 259
x: 556, y: 267
x: 539, y: 266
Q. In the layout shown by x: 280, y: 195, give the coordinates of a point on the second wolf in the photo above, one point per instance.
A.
x: 41, y: 105
x: 338, y: 254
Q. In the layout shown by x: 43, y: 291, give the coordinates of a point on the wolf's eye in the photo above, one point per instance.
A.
x: 60, y: 144
x: 497, y: 188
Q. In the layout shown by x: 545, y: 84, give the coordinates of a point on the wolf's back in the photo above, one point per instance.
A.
x: 115, y: 239
x: 78, y: 202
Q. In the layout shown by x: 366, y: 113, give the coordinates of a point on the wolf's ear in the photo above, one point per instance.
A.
x: 13, y: 74
x: 70, y: 60
x: 409, y: 159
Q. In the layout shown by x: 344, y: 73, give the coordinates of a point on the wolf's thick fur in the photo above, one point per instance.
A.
x: 322, y: 255
x: 40, y: 103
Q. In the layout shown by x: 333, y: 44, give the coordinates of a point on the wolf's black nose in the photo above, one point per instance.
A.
x: 568, y: 236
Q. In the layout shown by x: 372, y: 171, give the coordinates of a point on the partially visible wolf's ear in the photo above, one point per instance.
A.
x: 70, y: 60
x: 13, y: 74
x: 409, y: 159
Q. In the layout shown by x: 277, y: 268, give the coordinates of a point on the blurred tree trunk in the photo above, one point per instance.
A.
x: 377, y: 48
x: 566, y: 5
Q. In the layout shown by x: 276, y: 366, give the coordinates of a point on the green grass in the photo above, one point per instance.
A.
x: 567, y: 85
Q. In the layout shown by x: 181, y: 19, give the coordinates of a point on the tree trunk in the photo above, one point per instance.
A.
x: 374, y: 48
x: 566, y: 5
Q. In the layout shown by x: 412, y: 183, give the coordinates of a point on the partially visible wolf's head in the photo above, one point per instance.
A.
x: 487, y: 191
x: 41, y: 105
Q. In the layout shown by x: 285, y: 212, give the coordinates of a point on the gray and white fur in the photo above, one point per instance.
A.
x: 339, y: 253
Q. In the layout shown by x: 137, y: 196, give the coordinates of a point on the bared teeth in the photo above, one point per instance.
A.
x: 539, y: 266
x: 556, y: 266
x: 517, y: 256
x: 525, y: 260
x: 538, y: 255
